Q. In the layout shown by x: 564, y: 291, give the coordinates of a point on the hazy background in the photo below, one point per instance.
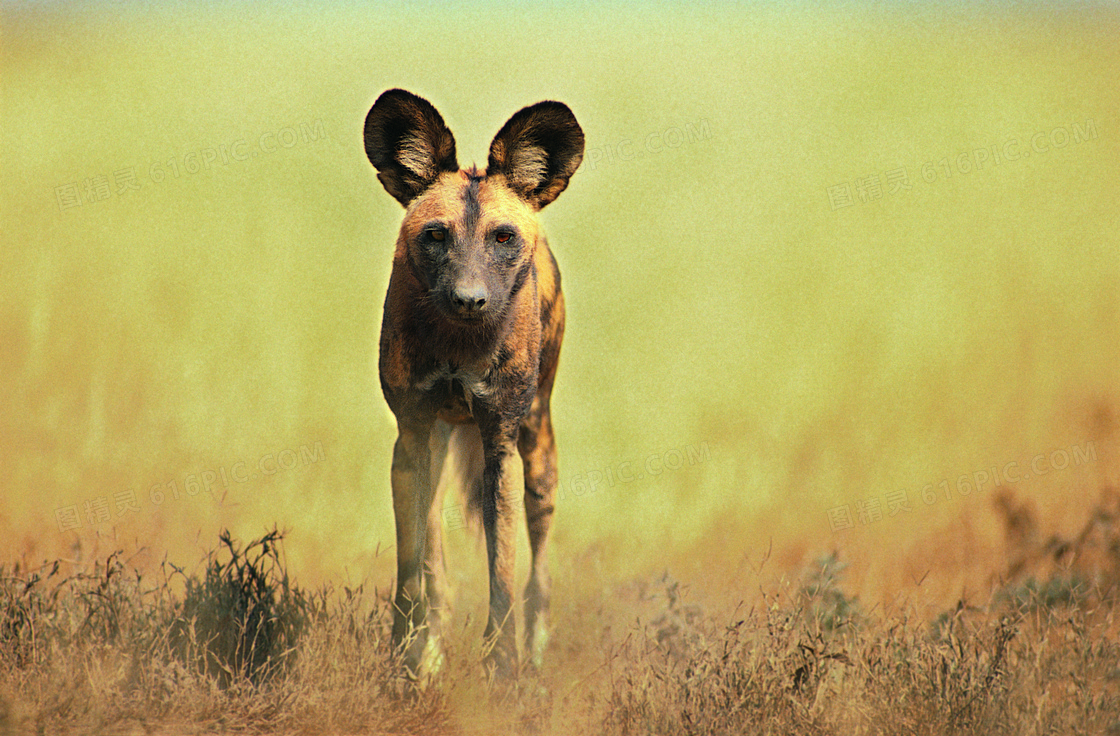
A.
x: 746, y: 351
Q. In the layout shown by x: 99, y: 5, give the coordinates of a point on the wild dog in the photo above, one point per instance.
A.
x: 470, y: 340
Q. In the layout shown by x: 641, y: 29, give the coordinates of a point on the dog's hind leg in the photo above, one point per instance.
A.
x: 537, y: 447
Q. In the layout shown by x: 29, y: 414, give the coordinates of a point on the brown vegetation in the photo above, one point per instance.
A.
x: 241, y: 648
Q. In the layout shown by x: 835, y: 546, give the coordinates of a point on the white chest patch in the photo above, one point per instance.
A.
x: 473, y: 382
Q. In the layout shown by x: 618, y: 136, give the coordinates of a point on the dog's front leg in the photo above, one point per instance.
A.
x: 499, y: 500
x: 412, y: 501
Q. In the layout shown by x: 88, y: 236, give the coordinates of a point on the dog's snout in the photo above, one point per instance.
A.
x: 470, y: 299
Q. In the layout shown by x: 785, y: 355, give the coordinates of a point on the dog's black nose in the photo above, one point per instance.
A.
x: 470, y: 299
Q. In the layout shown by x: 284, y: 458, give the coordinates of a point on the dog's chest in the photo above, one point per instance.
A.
x: 454, y: 390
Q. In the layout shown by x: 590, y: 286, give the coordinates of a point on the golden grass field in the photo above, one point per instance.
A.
x: 838, y: 407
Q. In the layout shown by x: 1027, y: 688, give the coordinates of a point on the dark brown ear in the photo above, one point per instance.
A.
x: 538, y: 150
x: 409, y: 144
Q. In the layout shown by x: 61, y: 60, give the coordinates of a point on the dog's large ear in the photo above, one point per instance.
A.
x: 538, y: 150
x: 409, y: 144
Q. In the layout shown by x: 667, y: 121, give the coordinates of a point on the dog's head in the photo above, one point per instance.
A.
x: 469, y: 237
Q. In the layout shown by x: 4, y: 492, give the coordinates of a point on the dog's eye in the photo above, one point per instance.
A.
x: 437, y: 235
x: 503, y: 237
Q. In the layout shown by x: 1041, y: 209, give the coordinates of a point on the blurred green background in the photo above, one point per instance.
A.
x: 765, y: 321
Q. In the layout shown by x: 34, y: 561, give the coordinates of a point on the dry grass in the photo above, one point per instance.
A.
x: 776, y: 669
x: 241, y: 648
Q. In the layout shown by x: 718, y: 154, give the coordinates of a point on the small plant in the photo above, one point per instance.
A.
x: 241, y: 622
x: 25, y: 601
x: 823, y: 599
x: 1057, y: 591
